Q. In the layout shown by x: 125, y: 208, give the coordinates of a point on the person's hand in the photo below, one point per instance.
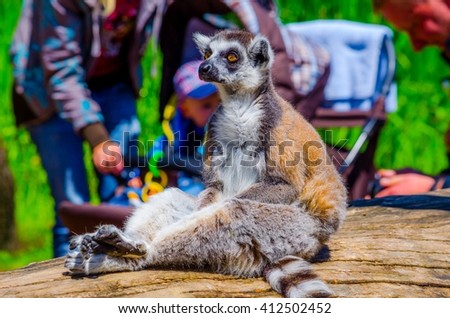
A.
x: 434, y: 21
x: 135, y: 183
x: 107, y: 158
x: 408, y: 183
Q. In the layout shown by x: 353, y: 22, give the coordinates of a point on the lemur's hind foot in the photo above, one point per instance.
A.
x: 106, y: 250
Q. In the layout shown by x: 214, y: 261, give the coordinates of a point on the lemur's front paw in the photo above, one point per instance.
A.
x: 88, y: 246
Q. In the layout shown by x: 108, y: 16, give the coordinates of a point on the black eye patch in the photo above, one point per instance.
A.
x: 207, y: 54
x: 231, y: 56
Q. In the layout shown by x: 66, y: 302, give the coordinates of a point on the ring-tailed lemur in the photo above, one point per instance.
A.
x: 272, y: 197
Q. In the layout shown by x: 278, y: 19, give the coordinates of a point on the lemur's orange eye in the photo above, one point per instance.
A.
x: 206, y: 55
x: 232, y: 57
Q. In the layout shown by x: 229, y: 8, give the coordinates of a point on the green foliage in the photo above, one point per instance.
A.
x: 34, y: 206
x: 412, y: 137
x: 148, y: 105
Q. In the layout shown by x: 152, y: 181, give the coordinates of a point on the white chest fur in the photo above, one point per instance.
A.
x: 240, y: 161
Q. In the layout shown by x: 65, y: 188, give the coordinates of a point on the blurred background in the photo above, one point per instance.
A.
x: 412, y: 136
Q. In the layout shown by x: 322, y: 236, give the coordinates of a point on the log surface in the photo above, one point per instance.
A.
x: 392, y: 247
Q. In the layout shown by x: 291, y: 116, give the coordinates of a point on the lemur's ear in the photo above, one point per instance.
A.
x: 260, y: 51
x: 202, y: 41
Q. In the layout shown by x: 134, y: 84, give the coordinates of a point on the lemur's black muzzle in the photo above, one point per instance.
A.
x: 204, y: 69
x: 206, y: 72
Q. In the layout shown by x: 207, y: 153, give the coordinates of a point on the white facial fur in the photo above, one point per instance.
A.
x: 248, y: 73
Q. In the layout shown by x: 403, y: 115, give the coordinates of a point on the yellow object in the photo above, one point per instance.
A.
x: 152, y: 187
x: 162, y: 175
x: 108, y: 7
x: 169, y: 113
x: 132, y: 195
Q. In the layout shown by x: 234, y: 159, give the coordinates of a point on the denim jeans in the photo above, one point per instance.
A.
x: 61, y: 151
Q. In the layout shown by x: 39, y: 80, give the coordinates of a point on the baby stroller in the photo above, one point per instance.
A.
x: 306, y: 52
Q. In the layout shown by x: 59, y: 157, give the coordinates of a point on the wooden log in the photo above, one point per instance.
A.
x: 392, y: 247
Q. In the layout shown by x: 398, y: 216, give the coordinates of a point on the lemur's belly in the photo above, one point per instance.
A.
x: 240, y: 168
x: 240, y: 160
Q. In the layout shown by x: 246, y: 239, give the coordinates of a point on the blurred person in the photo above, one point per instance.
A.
x: 195, y: 102
x: 76, y: 68
x: 427, y: 23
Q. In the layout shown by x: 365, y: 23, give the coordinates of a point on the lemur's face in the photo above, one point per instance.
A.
x: 234, y: 58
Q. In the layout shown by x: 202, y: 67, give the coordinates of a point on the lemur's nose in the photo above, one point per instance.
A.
x: 204, y: 68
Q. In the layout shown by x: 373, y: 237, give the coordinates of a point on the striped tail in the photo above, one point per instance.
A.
x: 292, y: 276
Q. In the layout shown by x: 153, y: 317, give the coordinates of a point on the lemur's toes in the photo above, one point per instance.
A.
x: 108, y: 234
x: 87, y: 246
x: 74, y: 244
x: 74, y: 262
x: 90, y: 246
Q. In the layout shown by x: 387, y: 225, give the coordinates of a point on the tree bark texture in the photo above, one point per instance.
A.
x: 392, y: 247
